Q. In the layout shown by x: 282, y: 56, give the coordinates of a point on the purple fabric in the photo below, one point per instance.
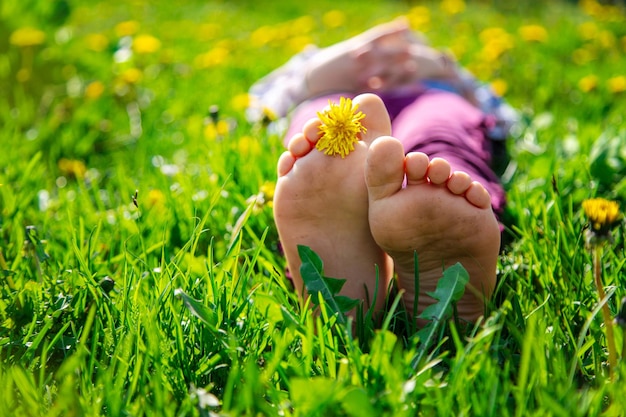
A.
x: 437, y: 123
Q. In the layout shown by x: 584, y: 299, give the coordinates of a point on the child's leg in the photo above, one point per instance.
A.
x: 442, y: 124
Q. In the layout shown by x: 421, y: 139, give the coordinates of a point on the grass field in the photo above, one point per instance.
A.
x: 140, y: 270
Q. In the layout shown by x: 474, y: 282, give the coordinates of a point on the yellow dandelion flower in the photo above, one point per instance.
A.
x: 72, y: 168
x: 588, y: 83
x: 419, y: 18
x: 602, y: 214
x: 94, y: 90
x: 298, y: 43
x: 241, y: 101
x: 533, y: 33
x: 588, y: 30
x: 131, y: 75
x: 269, y: 115
x: 214, y: 130
x: 490, y: 33
x: 617, y: 84
x: 263, y: 36
x: 156, y: 198
x: 97, y: 42
x: 215, y: 57
x: 499, y: 86
x: 208, y: 31
x: 581, y: 56
x: 127, y: 28
x: 340, y: 128
x: 334, y: 19
x: 452, y: 7
x: 268, y: 189
x: 496, y: 41
x: 300, y: 26
x: 146, y: 44
x: 607, y: 39
x: 27, y: 37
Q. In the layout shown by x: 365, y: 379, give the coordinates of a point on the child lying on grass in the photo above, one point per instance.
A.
x: 428, y: 189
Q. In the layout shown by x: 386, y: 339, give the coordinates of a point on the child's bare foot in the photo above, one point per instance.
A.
x: 444, y: 217
x: 321, y: 202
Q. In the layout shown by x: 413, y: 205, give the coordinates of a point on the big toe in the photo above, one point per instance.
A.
x: 376, y: 119
x: 384, y: 167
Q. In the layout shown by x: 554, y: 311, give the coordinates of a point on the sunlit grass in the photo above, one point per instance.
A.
x: 140, y: 268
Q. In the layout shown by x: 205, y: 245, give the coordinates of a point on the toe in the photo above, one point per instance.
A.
x: 438, y: 171
x: 376, y: 119
x: 285, y: 163
x: 311, y: 130
x: 459, y: 182
x: 416, y: 164
x: 478, y: 195
x: 384, y: 167
x: 299, y: 145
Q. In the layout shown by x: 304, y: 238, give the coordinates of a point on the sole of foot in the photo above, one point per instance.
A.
x: 321, y: 202
x: 417, y: 205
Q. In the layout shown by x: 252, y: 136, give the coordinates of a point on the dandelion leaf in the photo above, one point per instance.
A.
x: 316, y: 283
x: 450, y: 289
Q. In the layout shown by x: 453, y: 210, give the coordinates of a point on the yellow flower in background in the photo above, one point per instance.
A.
x: 340, y: 127
x: 146, y: 44
x: 602, y: 213
x: 298, y: 43
x: 607, y: 39
x: 334, y: 19
x: 499, y: 86
x: 72, y: 168
x: 607, y: 12
x: 127, y: 28
x: 97, y: 42
x: 263, y: 36
x: 156, y: 198
x: 588, y: 30
x: 591, y: 7
x: 94, y: 90
x: 241, y: 102
x: 496, y: 41
x: 581, y: 56
x: 269, y: 115
x: 419, y: 18
x: 588, y: 83
x: 301, y: 26
x: 249, y: 147
x: 215, y: 57
x: 214, y: 130
x: 617, y: 84
x: 268, y: 189
x: 208, y: 31
x: 131, y: 75
x: 27, y: 36
x: 489, y: 34
x: 452, y: 7
x: 533, y: 33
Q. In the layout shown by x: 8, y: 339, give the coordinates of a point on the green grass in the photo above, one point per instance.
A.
x: 178, y: 304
